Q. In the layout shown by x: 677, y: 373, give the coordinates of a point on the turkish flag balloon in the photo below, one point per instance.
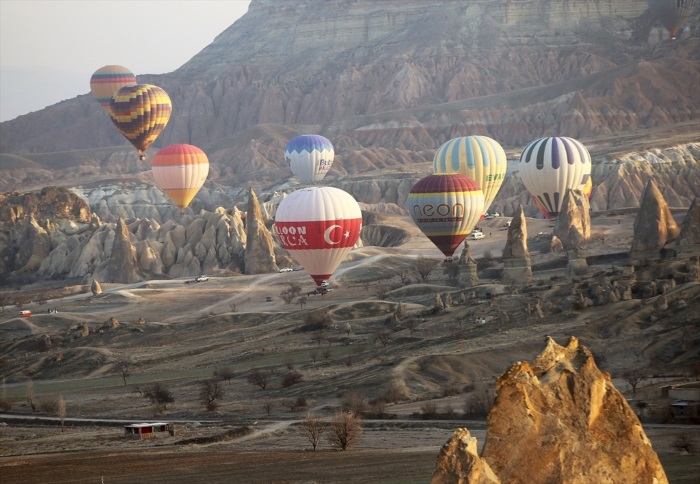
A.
x: 318, y: 226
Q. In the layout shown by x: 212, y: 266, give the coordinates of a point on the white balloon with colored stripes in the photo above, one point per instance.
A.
x: 550, y: 166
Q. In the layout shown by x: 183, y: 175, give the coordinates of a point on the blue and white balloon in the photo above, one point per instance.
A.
x: 310, y: 157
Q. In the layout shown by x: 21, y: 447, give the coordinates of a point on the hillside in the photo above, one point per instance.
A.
x: 388, y: 83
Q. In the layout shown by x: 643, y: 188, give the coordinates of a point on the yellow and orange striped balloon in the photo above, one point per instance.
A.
x: 180, y: 170
x: 140, y: 112
x: 107, y: 80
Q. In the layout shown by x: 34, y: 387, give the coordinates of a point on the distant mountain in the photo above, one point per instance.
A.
x: 388, y: 82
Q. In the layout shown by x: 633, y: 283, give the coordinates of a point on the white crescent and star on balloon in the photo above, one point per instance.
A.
x: 329, y: 230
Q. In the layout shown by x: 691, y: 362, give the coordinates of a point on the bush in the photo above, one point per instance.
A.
x: 291, y: 378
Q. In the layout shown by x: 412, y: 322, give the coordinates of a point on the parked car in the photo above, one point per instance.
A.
x: 324, y: 283
x: 477, y: 235
x: 286, y: 269
x: 25, y: 313
x: 202, y: 279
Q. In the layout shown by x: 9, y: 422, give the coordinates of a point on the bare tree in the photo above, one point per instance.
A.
x: 268, y: 406
x: 124, y: 371
x: 287, y: 296
x: 225, y: 373
x: 411, y: 324
x: 424, y: 266
x: 314, y: 355
x: 354, y: 401
x: 302, y: 300
x: 209, y: 393
x: 318, y: 336
x: 345, y: 430
x: 313, y: 428
x: 383, y: 337
x: 31, y: 395
x: 160, y: 397
x: 295, y: 288
x: 61, y: 410
x: 258, y: 377
x: 326, y: 354
x: 634, y: 378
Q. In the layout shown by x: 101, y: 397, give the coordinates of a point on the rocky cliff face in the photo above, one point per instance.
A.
x: 557, y: 419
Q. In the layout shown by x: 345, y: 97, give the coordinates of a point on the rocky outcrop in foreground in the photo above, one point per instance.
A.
x: 557, y: 419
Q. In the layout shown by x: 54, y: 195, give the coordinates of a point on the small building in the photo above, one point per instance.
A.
x: 687, y: 402
x: 149, y: 430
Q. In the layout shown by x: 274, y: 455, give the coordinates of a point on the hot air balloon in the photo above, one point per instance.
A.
x: 318, y: 226
x: 180, y: 170
x: 310, y: 156
x: 107, y: 80
x: 478, y: 157
x: 140, y: 112
x: 446, y: 208
x: 672, y: 13
x: 551, y: 166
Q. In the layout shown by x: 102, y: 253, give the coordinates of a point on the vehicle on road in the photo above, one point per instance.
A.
x: 324, y: 283
x: 286, y: 269
x: 25, y: 314
x: 477, y: 235
x: 202, y: 279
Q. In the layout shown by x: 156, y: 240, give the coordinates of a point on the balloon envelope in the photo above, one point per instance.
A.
x: 551, y: 166
x: 318, y: 226
x: 477, y: 157
x: 672, y: 13
x: 310, y: 156
x: 180, y: 170
x: 107, y: 80
x: 446, y: 208
x: 140, y: 112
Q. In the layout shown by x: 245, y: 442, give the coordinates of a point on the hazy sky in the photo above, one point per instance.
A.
x: 50, y: 48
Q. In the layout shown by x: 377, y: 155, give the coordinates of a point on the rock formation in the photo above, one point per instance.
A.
x: 573, y: 225
x: 558, y: 419
x: 516, y: 256
x: 468, y: 275
x: 95, y: 288
x: 654, y: 226
x: 459, y: 462
x: 573, y: 230
x: 689, y: 238
x: 259, y: 251
x: 121, y: 266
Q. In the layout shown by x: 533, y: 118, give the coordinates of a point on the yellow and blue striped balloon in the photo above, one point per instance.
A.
x: 141, y: 112
x: 477, y: 157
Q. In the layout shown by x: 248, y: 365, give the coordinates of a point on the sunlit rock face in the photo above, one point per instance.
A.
x: 654, y: 226
x: 573, y: 225
x: 556, y: 419
x: 259, y: 251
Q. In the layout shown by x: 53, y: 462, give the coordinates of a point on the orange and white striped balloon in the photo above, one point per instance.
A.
x: 180, y: 170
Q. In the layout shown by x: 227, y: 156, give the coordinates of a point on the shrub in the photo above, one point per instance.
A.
x: 291, y: 378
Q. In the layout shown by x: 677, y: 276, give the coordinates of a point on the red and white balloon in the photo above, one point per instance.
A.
x: 318, y: 226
